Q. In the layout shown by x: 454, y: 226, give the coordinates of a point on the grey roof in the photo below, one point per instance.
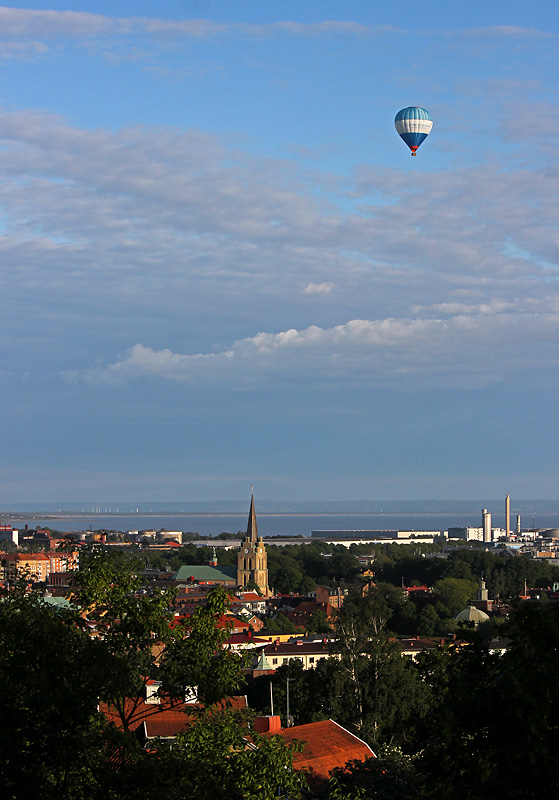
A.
x: 57, y: 602
x: 471, y: 614
x: 300, y: 647
x: 263, y: 663
x: 201, y: 572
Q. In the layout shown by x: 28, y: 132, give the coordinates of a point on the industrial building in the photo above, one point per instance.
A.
x: 348, y: 537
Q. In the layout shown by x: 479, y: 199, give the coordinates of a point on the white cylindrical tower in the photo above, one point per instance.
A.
x: 486, y: 523
x: 507, y: 515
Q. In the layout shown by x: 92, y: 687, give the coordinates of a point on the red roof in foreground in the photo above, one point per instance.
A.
x: 166, y: 718
x: 167, y: 723
x: 328, y: 746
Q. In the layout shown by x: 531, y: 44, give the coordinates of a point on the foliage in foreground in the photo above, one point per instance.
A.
x: 54, y: 742
x: 393, y: 775
x: 460, y: 723
x: 52, y: 675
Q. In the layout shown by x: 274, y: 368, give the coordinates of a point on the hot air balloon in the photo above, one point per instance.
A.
x: 414, y: 125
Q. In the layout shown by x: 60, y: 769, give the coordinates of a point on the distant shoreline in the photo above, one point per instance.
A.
x: 66, y: 516
x: 103, y: 515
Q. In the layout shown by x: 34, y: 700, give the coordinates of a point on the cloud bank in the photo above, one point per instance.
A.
x: 40, y: 24
x: 34, y: 26
x: 157, y: 230
x: 479, y: 344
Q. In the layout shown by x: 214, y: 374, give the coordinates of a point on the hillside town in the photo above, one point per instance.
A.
x: 302, y: 659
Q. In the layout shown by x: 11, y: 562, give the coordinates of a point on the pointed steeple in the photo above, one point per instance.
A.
x: 252, y: 560
x: 263, y: 664
x: 252, y: 528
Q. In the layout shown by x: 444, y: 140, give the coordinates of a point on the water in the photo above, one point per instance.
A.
x: 277, y: 524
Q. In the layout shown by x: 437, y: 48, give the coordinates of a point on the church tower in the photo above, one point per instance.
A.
x: 252, y: 559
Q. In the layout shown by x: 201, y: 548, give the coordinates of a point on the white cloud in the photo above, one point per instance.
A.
x: 29, y: 34
x: 318, y: 288
x: 508, y: 32
x: 478, y: 345
x: 140, y: 183
x: 43, y: 24
x: 52, y: 25
x: 493, y: 307
x: 35, y: 23
x: 21, y: 50
x: 162, y: 236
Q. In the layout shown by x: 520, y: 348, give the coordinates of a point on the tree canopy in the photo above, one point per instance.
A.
x: 118, y: 635
x: 445, y: 725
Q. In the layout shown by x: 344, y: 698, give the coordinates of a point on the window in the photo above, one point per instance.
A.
x: 311, y: 660
x: 274, y: 661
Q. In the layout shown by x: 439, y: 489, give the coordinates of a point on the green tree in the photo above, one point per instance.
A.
x: 393, y: 775
x: 318, y: 622
x: 394, y: 698
x: 455, y: 593
x: 285, y: 577
x: 8, y: 547
x: 57, y: 673
x: 301, y: 700
x: 382, y: 691
x: 428, y: 621
x: 403, y: 613
x: 343, y: 565
x: 485, y: 699
x: 252, y: 586
x: 280, y: 624
x: 130, y: 616
x: 219, y: 757
x: 51, y: 673
x: 198, y: 654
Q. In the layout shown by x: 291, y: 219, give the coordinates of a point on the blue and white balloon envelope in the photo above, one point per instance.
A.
x: 414, y: 126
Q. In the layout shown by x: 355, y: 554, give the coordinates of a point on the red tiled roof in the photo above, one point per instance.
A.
x: 25, y: 557
x: 169, y: 722
x: 240, y: 638
x: 234, y: 623
x: 327, y: 746
x: 166, y: 718
x: 291, y: 596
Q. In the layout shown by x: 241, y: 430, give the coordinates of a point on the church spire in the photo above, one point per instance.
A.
x: 252, y: 560
x: 252, y: 528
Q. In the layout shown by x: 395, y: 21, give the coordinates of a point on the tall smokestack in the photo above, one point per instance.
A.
x: 486, y: 523
x: 507, y: 515
x: 518, y: 529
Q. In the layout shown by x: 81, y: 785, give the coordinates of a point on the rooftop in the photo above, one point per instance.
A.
x: 206, y: 573
x: 327, y: 746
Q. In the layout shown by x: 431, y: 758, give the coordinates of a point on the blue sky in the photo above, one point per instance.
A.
x: 219, y: 265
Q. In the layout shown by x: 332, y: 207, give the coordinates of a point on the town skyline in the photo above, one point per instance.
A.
x: 221, y: 267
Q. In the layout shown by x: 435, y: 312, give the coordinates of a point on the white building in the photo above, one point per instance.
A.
x: 468, y: 534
